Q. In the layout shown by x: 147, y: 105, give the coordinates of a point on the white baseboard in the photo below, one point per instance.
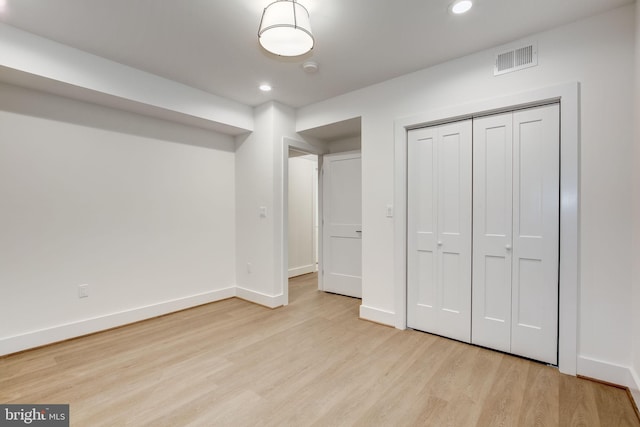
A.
x: 636, y: 397
x: 57, y: 333
x: 271, y: 301
x: 609, y: 372
x: 376, y: 315
x: 635, y: 390
x: 636, y: 379
x: 304, y: 269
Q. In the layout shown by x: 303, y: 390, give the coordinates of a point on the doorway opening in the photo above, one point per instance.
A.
x: 303, y: 219
x: 330, y: 139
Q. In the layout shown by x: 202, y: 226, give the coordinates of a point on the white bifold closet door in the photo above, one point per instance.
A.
x: 516, y: 176
x: 439, y: 230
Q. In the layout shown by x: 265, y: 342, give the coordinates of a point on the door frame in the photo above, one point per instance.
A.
x: 568, y: 95
x: 304, y: 147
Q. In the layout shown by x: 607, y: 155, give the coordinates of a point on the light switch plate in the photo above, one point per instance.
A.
x: 83, y: 291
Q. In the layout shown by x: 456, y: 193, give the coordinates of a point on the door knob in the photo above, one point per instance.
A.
x: 439, y: 242
x: 507, y: 247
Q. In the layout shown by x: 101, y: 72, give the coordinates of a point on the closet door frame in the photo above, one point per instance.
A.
x: 568, y: 97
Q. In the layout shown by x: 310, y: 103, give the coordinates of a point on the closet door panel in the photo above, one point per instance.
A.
x: 454, y: 230
x: 536, y: 209
x: 422, y: 272
x: 492, y: 231
x: 439, y: 230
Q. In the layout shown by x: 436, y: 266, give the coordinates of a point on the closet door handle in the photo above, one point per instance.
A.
x: 439, y: 242
x: 507, y: 247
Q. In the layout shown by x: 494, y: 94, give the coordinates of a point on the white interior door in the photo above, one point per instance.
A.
x: 342, y: 224
x: 439, y: 227
x: 536, y: 216
x: 492, y: 231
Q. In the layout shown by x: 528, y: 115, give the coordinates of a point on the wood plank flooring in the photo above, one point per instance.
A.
x: 312, y: 363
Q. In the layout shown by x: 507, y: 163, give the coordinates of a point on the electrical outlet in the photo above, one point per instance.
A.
x: 83, y: 291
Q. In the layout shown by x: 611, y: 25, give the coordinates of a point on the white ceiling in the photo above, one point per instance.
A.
x: 212, y: 44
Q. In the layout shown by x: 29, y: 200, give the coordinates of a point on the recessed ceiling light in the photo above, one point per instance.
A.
x: 461, y: 6
x: 265, y: 87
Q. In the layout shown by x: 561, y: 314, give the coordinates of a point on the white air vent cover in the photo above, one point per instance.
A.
x: 510, y: 58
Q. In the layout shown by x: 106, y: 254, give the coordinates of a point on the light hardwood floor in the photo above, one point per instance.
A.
x: 310, y: 363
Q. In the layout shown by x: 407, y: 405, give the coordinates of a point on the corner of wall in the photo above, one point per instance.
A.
x: 636, y: 224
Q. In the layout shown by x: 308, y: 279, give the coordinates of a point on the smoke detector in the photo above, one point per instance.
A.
x: 310, y: 67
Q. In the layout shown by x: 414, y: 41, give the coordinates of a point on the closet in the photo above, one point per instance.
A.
x: 483, y: 231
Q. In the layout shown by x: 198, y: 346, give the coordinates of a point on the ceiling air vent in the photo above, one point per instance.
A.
x: 511, y: 58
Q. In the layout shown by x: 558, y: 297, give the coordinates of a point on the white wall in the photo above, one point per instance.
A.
x: 139, y: 209
x: 254, y: 184
x: 597, y: 52
x: 353, y: 143
x: 259, y: 183
x: 302, y: 207
x: 636, y: 216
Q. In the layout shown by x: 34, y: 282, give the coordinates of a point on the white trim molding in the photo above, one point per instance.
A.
x: 569, y: 97
x: 635, y: 386
x: 606, y: 371
x: 376, y: 315
x: 635, y: 393
x: 270, y: 301
x: 67, y: 331
x: 299, y: 271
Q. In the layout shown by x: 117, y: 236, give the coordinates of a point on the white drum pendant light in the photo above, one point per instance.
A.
x: 285, y: 29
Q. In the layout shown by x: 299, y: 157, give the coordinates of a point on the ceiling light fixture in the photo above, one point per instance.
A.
x: 265, y: 87
x: 285, y: 29
x: 461, y: 6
